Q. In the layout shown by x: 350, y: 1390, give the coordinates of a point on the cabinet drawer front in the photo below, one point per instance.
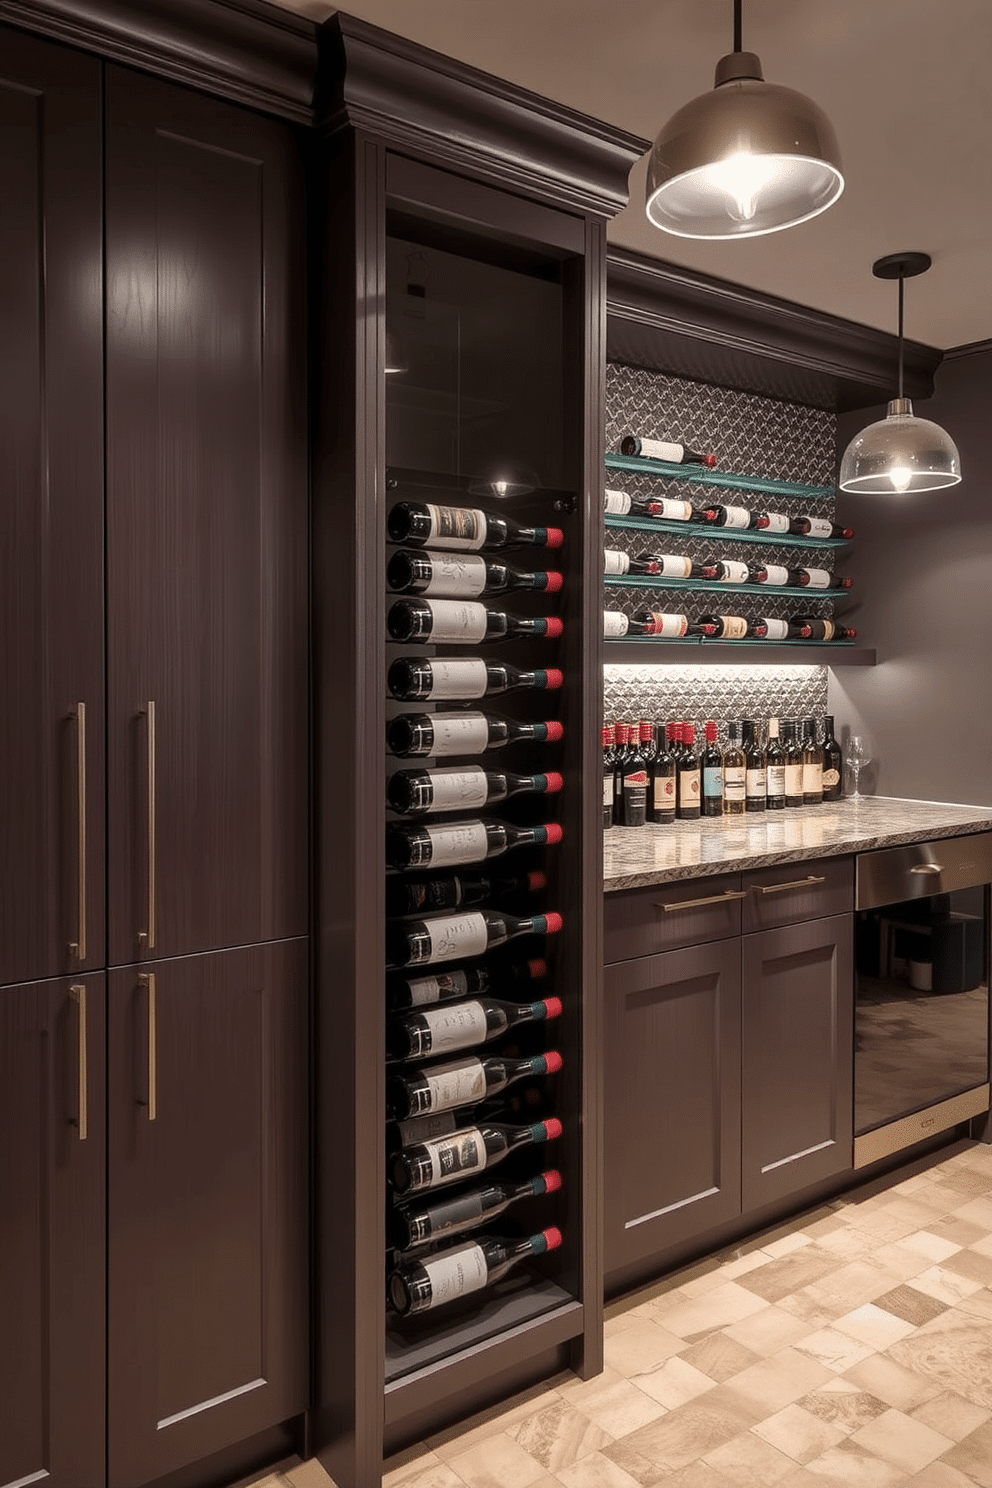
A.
x: 667, y: 916
x: 791, y: 892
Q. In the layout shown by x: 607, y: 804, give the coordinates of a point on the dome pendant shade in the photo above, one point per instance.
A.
x: 900, y: 453
x: 749, y: 158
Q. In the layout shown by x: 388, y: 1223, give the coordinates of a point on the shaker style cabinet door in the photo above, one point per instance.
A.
x: 51, y: 512
x: 206, y: 523
x: 207, y: 1336
x: 52, y: 1142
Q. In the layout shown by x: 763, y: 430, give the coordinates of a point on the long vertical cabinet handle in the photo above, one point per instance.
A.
x: 77, y: 947
x: 147, y: 980
x: 78, y: 994
x: 148, y: 936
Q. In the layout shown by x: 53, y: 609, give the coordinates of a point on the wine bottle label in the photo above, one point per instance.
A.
x: 452, y: 620
x: 455, y: 1084
x: 776, y: 630
x: 453, y: 1157
x: 616, y: 503
x: 736, y: 516
x: 713, y: 780
x: 664, y: 792
x: 734, y: 573
x: 615, y: 562
x: 456, y: 1273
x: 459, y: 790
x: 777, y: 522
x: 660, y: 449
x: 449, y: 575
x: 829, y: 629
x: 734, y: 783
x: 830, y: 779
x: 425, y: 990
x: 607, y: 790
x: 819, y: 527
x: 776, y: 780
x: 452, y: 1214
x: 812, y: 779
x: 734, y: 627
x: 675, y: 511
x: 457, y: 526
x: 460, y: 733
x: 672, y: 567
x: 614, y: 624
x: 818, y: 578
x: 776, y: 574
x: 668, y: 625
x: 689, y: 785
x: 455, y: 935
x: 793, y: 780
x: 459, y: 679
x: 755, y: 782
x: 459, y: 842
x: 430, y: 1128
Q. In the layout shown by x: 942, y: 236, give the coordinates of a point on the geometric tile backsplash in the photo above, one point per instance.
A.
x: 663, y: 693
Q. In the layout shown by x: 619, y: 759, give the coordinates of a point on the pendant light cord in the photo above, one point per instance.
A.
x: 738, y: 43
x: 902, y: 281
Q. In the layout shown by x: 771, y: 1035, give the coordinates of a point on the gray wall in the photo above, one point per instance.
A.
x: 923, y: 572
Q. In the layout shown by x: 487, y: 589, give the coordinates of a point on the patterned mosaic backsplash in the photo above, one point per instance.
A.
x: 719, y: 692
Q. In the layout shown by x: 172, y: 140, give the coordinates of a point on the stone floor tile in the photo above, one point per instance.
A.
x: 979, y: 1303
x: 613, y: 1403
x: 843, y: 1404
x: 954, y: 1351
x: 492, y: 1421
x: 873, y: 1325
x: 849, y: 1466
x: 850, y: 1286
x: 902, y: 1440
x: 642, y: 1346
x: 837, y: 1351
x: 896, y: 1384
x: 969, y: 1180
x: 427, y: 1471
x: 785, y: 1244
x: 979, y: 1211
x: 946, y: 1286
x: 929, y: 1244
x: 847, y: 1242
x: 697, y: 1475
x: 810, y: 1308
x: 643, y: 1470
x: 748, y: 1461
x: 675, y: 1383
x: 941, y: 1475
x: 961, y: 1231
x: 952, y: 1415
x: 558, y: 1435
x: 721, y: 1354
x: 798, y: 1434
x: 788, y: 1273
x: 726, y: 1304
x: 778, y: 1380
x: 912, y: 1306
x: 741, y: 1265
x: 691, y: 1431
x: 899, y: 1261
x: 595, y: 1471
x: 971, y: 1263
x: 497, y: 1462
x: 768, y: 1331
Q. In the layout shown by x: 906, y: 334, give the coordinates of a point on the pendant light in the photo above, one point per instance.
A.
x: 749, y: 158
x: 900, y: 452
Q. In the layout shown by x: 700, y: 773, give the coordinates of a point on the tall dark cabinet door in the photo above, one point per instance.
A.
x: 207, y: 1266
x: 51, y: 512
x: 206, y: 522
x: 52, y: 1142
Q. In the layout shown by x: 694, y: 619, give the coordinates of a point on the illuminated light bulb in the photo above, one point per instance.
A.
x: 743, y: 177
x: 900, y: 477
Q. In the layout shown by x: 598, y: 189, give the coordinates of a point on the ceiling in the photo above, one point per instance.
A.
x: 906, y: 83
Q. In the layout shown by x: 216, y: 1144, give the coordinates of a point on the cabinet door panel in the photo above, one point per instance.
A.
x: 207, y: 1259
x: 52, y: 1233
x: 798, y: 1057
x: 206, y: 493
x: 672, y: 1100
x: 51, y: 511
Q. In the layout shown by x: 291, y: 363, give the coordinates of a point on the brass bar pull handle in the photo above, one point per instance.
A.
x: 147, y: 980
x: 148, y: 936
x: 78, y: 994
x: 78, y: 947
x: 796, y: 883
x: 927, y: 868
x: 698, y: 903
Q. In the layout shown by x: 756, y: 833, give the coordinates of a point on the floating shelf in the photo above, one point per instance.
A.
x: 707, y: 651
x: 719, y: 586
x: 732, y: 534
x: 723, y: 479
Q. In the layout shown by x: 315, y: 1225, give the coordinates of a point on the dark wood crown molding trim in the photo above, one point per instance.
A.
x: 688, y: 322
x: 970, y: 348
x: 422, y: 102
x: 246, y: 51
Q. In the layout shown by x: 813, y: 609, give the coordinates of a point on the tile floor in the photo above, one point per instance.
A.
x: 852, y: 1346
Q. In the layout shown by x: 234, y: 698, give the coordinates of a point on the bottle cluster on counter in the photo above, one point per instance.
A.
x: 470, y: 1081
x: 660, y: 772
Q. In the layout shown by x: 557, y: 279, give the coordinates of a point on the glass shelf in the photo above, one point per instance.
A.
x: 732, y: 534
x: 724, y: 479
x: 718, y: 586
x: 635, y: 651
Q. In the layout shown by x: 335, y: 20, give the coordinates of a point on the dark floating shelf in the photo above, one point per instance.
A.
x: 723, y: 479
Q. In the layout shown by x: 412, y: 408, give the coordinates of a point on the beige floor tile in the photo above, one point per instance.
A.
x: 973, y: 1456
x: 873, y: 1325
x: 941, y: 1475
x: 973, y: 1264
x: 982, y: 1245
x: 914, y: 1307
x: 497, y: 1462
x: 642, y: 1347
x: 727, y: 1304
x: 719, y: 1355
x: 741, y: 1265
x: 955, y: 1352
x: 961, y: 1231
x: 595, y: 1471
x: 843, y: 1404
x: 849, y: 1466
x: 748, y: 1461
x: 952, y: 1415
x: 847, y: 1242
x: 613, y: 1402
x: 308, y: 1474
x: 850, y: 1286
x: 558, y: 1435
x: 799, y: 1434
x: 810, y: 1309
x: 979, y: 1211
x: 892, y: 1382
x: 778, y: 1380
x: 698, y: 1475
x: 424, y: 1470
x: 979, y: 1303
x: 946, y: 1286
x: 837, y: 1351
x: 902, y: 1440
x: 691, y: 1431
x: 644, y: 1471
x: 675, y: 1383
x: 901, y: 1263
x: 788, y: 1273
x: 493, y: 1421
x: 785, y: 1244
x: 768, y: 1331
x: 969, y: 1180
x: 885, y: 1227
x: 929, y: 1244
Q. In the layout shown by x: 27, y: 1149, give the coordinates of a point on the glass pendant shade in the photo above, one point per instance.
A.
x: 900, y: 453
x: 749, y: 158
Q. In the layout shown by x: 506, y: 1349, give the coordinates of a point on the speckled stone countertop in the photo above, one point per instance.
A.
x: 637, y: 856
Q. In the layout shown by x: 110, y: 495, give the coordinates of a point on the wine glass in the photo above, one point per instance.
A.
x: 858, y: 755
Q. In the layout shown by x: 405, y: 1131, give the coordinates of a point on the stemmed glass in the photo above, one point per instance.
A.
x: 858, y: 756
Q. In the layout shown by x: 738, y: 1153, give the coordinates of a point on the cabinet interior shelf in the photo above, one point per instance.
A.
x: 709, y: 651
x: 718, y: 586
x: 732, y: 534
x: 724, y: 479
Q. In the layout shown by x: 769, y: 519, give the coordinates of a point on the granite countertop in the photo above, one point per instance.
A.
x: 634, y: 857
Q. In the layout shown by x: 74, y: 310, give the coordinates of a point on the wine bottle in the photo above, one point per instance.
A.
x: 463, y: 788
x: 621, y: 504
x: 825, y: 630
x: 662, y: 449
x: 646, y: 740
x: 616, y: 562
x: 737, y: 517
x: 712, y: 768
x: 803, y: 578
x: 420, y: 1286
x: 417, y: 734
x: 486, y: 977
x: 633, y: 783
x: 454, y: 844
x: 462, y: 622
x: 734, y: 775
x: 802, y: 526
x: 663, y: 784
x: 622, y: 737
x: 812, y: 765
x: 783, y: 630
x: 460, y: 1082
x: 833, y: 762
x: 463, y: 679
x: 673, y: 566
x: 448, y: 937
x: 609, y: 745
x: 687, y: 776
x: 755, y: 768
x: 729, y: 571
x: 462, y: 576
x: 616, y: 625
x: 411, y: 1225
x: 775, y: 768
x: 657, y: 623
x: 728, y: 627
x: 449, y: 1159
x: 406, y: 896
x: 793, y: 765
x: 465, y: 528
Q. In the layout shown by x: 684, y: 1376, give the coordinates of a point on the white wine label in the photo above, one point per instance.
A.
x: 454, y: 1025
x: 689, y: 785
x: 734, y: 783
x: 755, y: 782
x: 812, y: 779
x: 819, y: 527
x: 607, y: 790
x: 616, y: 503
x: 776, y: 780
x: 453, y: 1157
x: 614, y: 624
x: 455, y: 936
x: 829, y: 629
x: 455, y: 1084
x: 818, y: 578
x: 660, y: 449
x: 675, y: 511
x: 457, y: 526
x: 669, y: 625
x: 425, y: 990
x: 776, y: 574
x: 459, y: 733
x: 672, y: 567
x: 664, y: 792
x: 458, y: 790
x: 777, y: 522
x: 454, y: 621
x: 830, y: 779
x: 793, y: 780
x: 615, y: 562
x: 461, y: 842
x: 449, y: 575
x: 456, y: 1273
x: 737, y: 516
x: 459, y: 679
x: 778, y: 630
x: 734, y: 627
x: 734, y: 573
